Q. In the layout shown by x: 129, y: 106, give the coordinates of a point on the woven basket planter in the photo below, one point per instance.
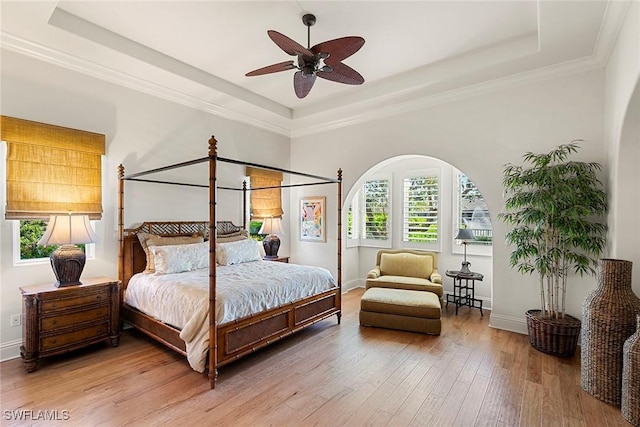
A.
x: 608, y: 319
x: 553, y: 336
x: 631, y: 378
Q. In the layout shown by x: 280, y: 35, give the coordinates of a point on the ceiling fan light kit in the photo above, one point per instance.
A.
x: 323, y: 60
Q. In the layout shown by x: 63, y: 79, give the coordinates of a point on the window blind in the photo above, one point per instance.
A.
x: 265, y: 203
x: 51, y: 170
x: 420, y: 209
x: 376, y: 209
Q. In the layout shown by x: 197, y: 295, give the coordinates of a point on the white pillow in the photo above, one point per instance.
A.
x: 237, y: 252
x: 179, y: 258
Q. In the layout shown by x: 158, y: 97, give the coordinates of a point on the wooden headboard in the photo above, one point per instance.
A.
x: 135, y: 260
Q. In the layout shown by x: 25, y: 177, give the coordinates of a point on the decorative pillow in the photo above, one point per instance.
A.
x: 147, y: 240
x: 178, y: 258
x: 237, y: 252
x: 233, y: 237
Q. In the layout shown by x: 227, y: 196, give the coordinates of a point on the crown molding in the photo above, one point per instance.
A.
x: 399, y: 102
x: 305, y: 127
x: 31, y: 49
x: 89, y: 31
x: 610, y: 30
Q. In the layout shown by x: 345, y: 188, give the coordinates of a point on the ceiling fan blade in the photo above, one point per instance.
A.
x: 338, y: 49
x: 282, y: 66
x: 342, y: 74
x: 302, y: 84
x: 289, y: 46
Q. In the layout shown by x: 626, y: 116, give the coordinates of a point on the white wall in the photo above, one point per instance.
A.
x: 142, y: 132
x: 478, y: 136
x: 622, y: 137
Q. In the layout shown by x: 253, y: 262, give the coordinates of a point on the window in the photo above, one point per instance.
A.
x: 353, y: 221
x: 50, y: 170
x: 27, y: 233
x: 473, y: 211
x: 420, y: 211
x: 376, y: 212
x: 266, y: 199
x: 433, y: 200
x: 30, y: 232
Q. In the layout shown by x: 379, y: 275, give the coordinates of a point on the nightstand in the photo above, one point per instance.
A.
x: 58, y: 320
x: 278, y: 259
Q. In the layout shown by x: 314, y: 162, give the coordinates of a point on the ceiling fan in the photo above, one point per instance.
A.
x: 323, y: 60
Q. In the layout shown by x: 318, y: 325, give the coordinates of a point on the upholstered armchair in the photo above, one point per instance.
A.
x: 406, y: 269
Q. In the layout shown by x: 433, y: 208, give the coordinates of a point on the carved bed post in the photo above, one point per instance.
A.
x: 121, y: 228
x: 213, y: 329
x: 340, y: 243
x: 244, y: 204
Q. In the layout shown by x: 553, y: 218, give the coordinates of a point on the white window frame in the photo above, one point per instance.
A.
x: 354, y: 240
x: 375, y: 243
x: 431, y: 246
x: 457, y: 247
x: 90, y: 248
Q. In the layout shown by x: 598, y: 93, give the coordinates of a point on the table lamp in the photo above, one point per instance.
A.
x: 465, y: 234
x: 68, y: 260
x: 271, y: 243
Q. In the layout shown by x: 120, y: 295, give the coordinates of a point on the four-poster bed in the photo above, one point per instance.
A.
x: 233, y: 339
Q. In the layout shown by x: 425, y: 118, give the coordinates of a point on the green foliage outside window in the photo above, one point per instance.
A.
x: 420, y: 209
x: 30, y: 233
x: 376, y: 201
x: 254, y: 228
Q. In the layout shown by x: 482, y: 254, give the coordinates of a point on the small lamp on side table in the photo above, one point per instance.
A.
x: 465, y: 234
x: 272, y: 227
x: 68, y: 260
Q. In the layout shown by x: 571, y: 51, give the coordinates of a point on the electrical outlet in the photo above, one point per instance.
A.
x: 15, y: 319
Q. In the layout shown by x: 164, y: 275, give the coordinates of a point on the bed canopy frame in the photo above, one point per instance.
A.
x: 234, y: 339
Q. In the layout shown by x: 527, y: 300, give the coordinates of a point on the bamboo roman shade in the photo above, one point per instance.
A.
x: 265, y: 203
x: 52, y: 170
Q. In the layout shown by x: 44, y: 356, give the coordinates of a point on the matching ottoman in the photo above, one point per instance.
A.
x: 415, y: 311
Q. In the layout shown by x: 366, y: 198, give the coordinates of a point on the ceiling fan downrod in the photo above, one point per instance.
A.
x: 309, y: 20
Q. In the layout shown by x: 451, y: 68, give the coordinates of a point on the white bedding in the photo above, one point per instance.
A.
x: 182, y: 299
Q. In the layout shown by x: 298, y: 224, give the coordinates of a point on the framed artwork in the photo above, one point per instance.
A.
x: 312, y: 219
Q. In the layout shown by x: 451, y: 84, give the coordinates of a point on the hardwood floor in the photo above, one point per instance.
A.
x: 327, y: 375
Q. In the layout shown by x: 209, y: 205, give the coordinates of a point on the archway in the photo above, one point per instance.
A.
x: 359, y: 258
x: 627, y: 181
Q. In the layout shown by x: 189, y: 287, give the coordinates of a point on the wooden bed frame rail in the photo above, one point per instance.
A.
x: 232, y: 340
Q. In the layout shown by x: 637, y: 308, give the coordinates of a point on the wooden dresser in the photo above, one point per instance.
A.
x: 58, y: 320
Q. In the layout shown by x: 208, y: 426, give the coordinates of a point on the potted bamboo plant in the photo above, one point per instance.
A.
x: 554, y: 206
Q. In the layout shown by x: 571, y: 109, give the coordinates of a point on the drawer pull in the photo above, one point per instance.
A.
x: 54, y: 322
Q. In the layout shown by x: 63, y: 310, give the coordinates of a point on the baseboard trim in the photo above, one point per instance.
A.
x: 352, y: 284
x: 508, y: 323
x: 10, y: 350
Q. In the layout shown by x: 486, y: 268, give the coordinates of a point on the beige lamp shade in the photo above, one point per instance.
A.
x: 271, y: 226
x: 68, y: 229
